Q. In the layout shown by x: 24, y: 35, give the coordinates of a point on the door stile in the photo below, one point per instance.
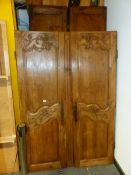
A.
x: 68, y: 104
x: 62, y: 97
x: 74, y: 97
x: 112, y: 93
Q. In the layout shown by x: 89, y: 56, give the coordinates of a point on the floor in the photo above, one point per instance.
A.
x: 105, y: 170
x: 99, y: 170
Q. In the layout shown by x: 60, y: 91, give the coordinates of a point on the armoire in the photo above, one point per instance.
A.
x: 67, y: 87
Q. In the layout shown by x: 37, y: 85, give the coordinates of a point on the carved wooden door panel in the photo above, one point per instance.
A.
x: 93, y: 91
x: 40, y: 62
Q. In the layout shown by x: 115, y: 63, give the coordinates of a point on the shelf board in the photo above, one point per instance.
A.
x: 8, y: 139
x: 4, y: 77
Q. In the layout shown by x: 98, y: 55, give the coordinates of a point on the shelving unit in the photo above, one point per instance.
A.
x: 7, y: 122
x: 8, y: 139
x: 8, y: 147
x: 4, y: 77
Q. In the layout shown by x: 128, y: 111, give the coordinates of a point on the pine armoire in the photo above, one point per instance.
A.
x: 67, y: 87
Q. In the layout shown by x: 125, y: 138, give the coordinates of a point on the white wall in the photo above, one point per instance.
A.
x: 119, y: 19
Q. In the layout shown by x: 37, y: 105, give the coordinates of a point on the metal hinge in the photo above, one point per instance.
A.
x: 15, y: 54
x: 116, y: 54
x: 114, y: 145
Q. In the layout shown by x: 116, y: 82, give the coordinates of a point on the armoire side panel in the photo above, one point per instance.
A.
x: 93, y: 91
x: 40, y: 62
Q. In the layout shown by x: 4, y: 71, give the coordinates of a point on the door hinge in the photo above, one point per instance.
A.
x: 116, y: 54
x: 15, y: 55
x: 114, y: 145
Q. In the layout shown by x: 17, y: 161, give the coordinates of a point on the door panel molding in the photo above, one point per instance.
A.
x: 44, y: 114
x: 94, y: 112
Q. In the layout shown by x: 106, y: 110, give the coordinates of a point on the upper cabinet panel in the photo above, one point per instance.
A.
x: 61, y: 2
x: 55, y: 18
x: 55, y: 2
x: 34, y: 2
x: 50, y: 19
x: 88, y: 19
x: 48, y: 2
x: 88, y: 3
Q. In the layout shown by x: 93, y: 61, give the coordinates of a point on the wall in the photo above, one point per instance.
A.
x: 119, y: 18
x: 7, y: 14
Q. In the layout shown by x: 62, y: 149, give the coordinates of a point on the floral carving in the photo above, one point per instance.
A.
x: 43, y: 115
x: 95, y: 113
x: 90, y: 40
x: 39, y: 42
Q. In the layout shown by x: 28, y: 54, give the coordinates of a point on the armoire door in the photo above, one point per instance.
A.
x: 40, y: 63
x: 93, y: 64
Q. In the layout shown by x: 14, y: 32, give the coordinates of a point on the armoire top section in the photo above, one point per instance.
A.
x: 76, y: 18
x: 64, y: 2
x: 67, y: 15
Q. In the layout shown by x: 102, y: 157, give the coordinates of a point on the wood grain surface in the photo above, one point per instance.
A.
x: 7, y: 120
x: 42, y: 92
x: 94, y: 93
x: 61, y: 2
x: 67, y: 85
x: 50, y: 18
x: 88, y: 18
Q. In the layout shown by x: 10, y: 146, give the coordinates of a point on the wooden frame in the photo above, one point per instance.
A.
x: 8, y: 148
x: 6, y: 79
